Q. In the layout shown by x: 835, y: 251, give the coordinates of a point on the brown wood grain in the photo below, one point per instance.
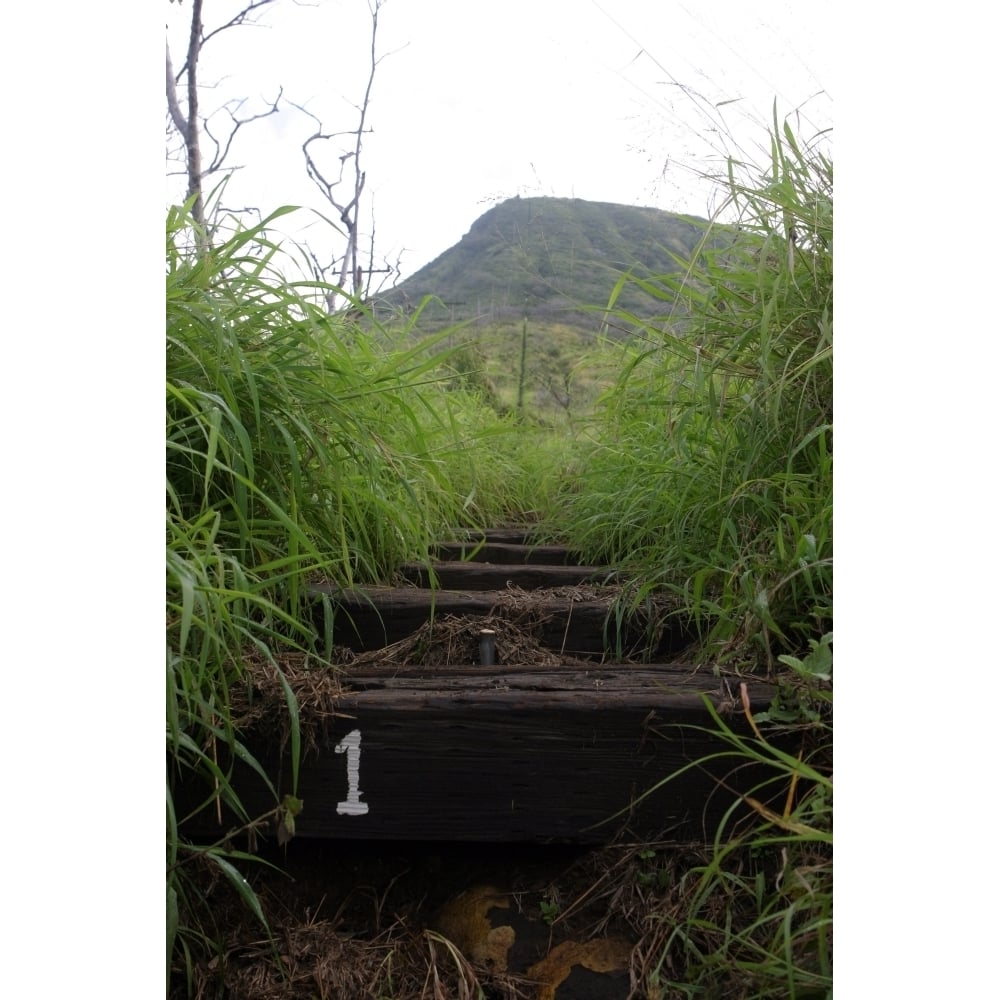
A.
x: 512, y: 751
x: 522, y: 754
x: 507, y: 553
x: 492, y: 576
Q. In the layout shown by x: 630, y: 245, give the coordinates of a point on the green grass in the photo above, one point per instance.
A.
x: 296, y: 445
x: 756, y: 919
x: 712, y: 474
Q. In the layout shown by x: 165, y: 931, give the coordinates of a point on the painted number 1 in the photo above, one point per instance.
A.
x: 352, y: 805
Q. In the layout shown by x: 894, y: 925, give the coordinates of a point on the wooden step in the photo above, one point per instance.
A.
x: 523, y: 535
x: 514, y: 754
x: 506, y: 553
x: 510, y: 750
x: 370, y: 618
x: 489, y: 576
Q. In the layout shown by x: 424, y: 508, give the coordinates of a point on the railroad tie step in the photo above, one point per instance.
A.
x: 370, y: 618
x: 508, y: 553
x: 493, y: 576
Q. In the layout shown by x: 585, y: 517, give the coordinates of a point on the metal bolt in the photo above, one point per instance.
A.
x: 487, y: 647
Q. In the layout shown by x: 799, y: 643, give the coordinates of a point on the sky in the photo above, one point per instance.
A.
x: 473, y: 103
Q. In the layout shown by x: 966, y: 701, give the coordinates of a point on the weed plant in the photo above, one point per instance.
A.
x: 712, y: 479
x: 713, y: 472
x: 294, y: 446
x: 756, y: 919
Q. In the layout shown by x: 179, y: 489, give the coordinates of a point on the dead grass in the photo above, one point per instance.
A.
x: 312, y: 959
x: 451, y: 640
x: 616, y: 907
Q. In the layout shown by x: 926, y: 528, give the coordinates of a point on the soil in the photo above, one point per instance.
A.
x: 427, y: 920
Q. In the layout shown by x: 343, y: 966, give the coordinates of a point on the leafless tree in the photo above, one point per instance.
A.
x: 342, y: 182
x: 189, y: 122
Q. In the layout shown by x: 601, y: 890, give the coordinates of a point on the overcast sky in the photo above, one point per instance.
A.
x: 474, y: 102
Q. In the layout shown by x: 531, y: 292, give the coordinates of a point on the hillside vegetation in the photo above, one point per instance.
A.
x: 523, y: 298
x: 550, y: 260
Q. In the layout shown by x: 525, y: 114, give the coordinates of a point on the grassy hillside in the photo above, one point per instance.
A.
x: 552, y: 260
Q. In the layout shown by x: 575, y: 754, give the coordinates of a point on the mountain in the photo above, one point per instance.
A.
x: 548, y: 259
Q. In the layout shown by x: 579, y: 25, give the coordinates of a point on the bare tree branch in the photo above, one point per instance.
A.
x: 173, y: 105
x: 191, y: 135
x: 359, y: 175
x: 221, y: 152
x: 189, y: 125
x: 347, y: 208
x: 342, y: 187
x: 387, y: 270
x: 320, y: 271
x: 347, y: 211
x: 236, y: 21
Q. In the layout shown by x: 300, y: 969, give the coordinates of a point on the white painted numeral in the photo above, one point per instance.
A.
x: 352, y: 805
